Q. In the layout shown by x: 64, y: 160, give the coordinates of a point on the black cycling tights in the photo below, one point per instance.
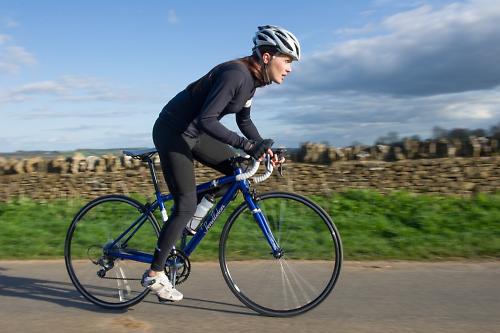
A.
x: 177, y: 152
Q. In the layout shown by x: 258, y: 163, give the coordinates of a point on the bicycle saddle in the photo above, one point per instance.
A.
x: 141, y: 154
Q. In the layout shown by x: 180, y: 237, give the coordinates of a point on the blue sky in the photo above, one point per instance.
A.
x: 95, y: 74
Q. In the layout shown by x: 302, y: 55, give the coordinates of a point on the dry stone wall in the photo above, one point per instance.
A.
x: 89, y: 177
x: 407, y: 149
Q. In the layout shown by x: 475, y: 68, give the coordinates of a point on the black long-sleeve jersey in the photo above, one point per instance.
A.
x: 227, y: 88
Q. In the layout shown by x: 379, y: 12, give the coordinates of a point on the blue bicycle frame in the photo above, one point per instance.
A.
x: 117, y: 248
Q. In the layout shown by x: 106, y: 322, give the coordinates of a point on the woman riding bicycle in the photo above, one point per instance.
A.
x: 188, y: 128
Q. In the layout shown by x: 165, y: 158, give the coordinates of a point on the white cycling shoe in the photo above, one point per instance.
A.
x: 161, y: 286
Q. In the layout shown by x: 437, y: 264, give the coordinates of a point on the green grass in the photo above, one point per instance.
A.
x: 418, y: 227
x: 372, y: 226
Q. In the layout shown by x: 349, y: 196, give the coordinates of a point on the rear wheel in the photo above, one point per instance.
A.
x: 299, y: 279
x: 101, y: 278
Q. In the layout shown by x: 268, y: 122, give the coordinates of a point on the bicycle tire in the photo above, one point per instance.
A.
x: 97, y: 223
x: 298, y: 226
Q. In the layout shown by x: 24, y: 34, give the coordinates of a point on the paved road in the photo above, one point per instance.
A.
x: 37, y: 296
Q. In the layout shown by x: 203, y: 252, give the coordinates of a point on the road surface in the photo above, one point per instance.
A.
x: 37, y: 296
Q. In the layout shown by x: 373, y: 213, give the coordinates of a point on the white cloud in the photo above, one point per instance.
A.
x: 398, y: 3
x: 68, y: 88
x: 4, y: 38
x: 10, y: 23
x: 42, y: 87
x: 343, y: 117
x: 172, y: 17
x: 419, y: 52
x: 13, y: 57
x: 369, y: 28
x: 467, y: 111
x: 77, y: 137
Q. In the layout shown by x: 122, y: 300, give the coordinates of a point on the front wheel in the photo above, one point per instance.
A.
x: 299, y: 279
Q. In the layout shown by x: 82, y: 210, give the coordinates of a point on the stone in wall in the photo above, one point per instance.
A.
x: 77, y: 163
x: 442, y: 148
x: 126, y: 161
x: 379, y: 152
x: 92, y: 163
x: 313, y: 153
x: 348, y: 153
x: 3, y: 165
x: 495, y: 147
x: 486, y: 146
x: 11, y: 166
x: 475, y: 146
x: 363, y: 156
x: 396, y: 154
x: 112, y: 163
x: 334, y: 154
x: 18, y: 166
x: 411, y: 148
x: 58, y: 165
x: 36, y: 164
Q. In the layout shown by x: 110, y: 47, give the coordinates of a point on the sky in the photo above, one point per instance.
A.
x: 96, y: 74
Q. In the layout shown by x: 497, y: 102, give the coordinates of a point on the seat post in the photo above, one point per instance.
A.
x: 153, y: 175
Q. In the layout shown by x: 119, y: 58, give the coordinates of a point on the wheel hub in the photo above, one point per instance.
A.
x: 279, y: 253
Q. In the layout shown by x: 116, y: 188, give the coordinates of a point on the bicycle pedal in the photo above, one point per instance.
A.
x: 148, y: 284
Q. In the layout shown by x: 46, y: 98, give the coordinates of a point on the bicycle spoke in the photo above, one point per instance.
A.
x: 119, y: 287
x: 125, y: 281
x: 283, y: 287
x: 296, y: 276
x: 281, y: 219
x: 287, y: 285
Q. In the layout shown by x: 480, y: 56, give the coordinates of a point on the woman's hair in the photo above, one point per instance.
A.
x: 254, y: 65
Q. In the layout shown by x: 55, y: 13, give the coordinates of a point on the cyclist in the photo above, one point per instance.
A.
x: 188, y: 128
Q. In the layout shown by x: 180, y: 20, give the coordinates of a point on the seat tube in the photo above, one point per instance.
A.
x: 154, y: 178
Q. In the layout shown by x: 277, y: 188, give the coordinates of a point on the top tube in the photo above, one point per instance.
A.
x: 209, y: 185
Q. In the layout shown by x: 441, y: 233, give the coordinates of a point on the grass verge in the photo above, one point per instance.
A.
x: 373, y: 226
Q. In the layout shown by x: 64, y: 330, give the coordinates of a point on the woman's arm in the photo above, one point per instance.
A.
x: 246, y: 125
x: 224, y: 88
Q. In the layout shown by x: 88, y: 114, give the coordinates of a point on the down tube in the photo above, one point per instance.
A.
x: 209, y: 221
x: 261, y: 221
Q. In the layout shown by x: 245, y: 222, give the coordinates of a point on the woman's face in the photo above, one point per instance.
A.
x: 278, y: 67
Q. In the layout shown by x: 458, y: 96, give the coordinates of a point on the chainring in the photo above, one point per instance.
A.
x: 180, y: 262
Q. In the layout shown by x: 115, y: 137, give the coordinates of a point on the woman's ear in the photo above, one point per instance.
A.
x: 266, y: 57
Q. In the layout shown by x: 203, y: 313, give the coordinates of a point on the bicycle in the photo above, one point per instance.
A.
x: 280, y: 253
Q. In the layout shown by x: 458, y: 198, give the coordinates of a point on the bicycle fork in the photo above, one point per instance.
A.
x: 261, y: 220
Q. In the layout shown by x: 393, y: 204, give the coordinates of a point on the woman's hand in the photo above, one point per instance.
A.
x: 257, y: 149
x: 275, y: 160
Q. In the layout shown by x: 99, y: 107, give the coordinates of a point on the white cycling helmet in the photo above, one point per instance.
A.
x: 283, y: 40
